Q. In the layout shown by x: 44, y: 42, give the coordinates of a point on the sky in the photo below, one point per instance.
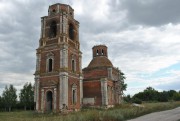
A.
x: 142, y: 36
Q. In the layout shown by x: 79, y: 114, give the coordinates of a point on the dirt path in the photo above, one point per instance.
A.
x: 169, y: 115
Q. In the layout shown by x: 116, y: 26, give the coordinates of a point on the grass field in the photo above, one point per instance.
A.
x: 118, y: 113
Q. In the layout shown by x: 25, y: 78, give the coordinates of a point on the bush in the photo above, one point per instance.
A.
x: 137, y: 100
x: 176, y: 97
x: 127, y: 99
x: 163, y: 96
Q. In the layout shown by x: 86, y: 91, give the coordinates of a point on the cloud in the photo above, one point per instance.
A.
x: 142, y: 36
x: 138, y: 83
x: 151, y: 12
x: 19, y: 35
x: 16, y: 79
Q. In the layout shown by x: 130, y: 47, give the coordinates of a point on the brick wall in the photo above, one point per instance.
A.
x: 95, y: 73
x: 92, y: 89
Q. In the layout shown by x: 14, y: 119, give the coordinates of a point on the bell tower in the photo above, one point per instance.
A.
x: 58, y: 75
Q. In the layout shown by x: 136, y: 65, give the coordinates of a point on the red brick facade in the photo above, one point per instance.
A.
x: 59, y: 83
x: 101, y: 83
x: 58, y: 76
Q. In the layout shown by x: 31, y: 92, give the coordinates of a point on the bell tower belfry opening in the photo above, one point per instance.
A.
x: 58, y: 75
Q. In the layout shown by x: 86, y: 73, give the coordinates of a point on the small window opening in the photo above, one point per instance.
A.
x: 50, y: 65
x: 102, y: 52
x: 74, y: 94
x: 53, y: 30
x: 97, y: 53
x: 74, y: 97
x: 73, y: 66
x: 70, y: 13
x: 71, y: 32
x: 53, y: 10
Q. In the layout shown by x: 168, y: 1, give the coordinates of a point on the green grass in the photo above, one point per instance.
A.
x: 118, y: 113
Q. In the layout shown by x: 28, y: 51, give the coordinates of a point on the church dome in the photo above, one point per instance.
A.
x: 100, y: 61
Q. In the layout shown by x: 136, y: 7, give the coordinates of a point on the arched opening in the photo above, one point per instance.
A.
x: 53, y: 10
x: 97, y: 53
x: 50, y: 65
x: 53, y: 29
x: 102, y: 52
x: 49, y: 100
x: 74, y: 94
x: 73, y: 66
x: 71, y: 32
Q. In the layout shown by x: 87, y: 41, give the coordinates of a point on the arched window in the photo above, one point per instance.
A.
x: 50, y: 65
x: 73, y: 66
x: 49, y: 62
x: 53, y: 10
x: 73, y: 63
x: 71, y: 32
x: 74, y: 94
x: 102, y: 52
x: 97, y: 53
x: 53, y: 29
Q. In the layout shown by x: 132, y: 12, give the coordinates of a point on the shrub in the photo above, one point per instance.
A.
x: 137, y: 100
x: 176, y: 97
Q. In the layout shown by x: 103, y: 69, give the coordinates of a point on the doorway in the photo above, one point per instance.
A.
x: 49, y: 100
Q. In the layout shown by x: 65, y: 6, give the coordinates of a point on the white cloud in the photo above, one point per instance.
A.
x: 16, y: 79
x: 136, y: 45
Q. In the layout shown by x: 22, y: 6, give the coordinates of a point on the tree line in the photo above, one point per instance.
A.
x: 152, y: 95
x: 9, y: 101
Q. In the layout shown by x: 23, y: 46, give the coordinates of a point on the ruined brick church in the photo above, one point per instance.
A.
x: 60, y: 81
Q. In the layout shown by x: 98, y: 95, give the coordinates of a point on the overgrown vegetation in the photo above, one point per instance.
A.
x: 152, y: 95
x: 121, y: 112
x: 118, y: 113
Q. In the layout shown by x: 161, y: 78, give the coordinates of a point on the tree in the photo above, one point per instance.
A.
x: 27, y: 96
x: 171, y: 93
x: 127, y: 98
x: 140, y: 95
x: 149, y: 94
x: 163, y: 96
x: 9, y: 97
x: 176, y: 96
x: 1, y: 104
x: 122, y: 78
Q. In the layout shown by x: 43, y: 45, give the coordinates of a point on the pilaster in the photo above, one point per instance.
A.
x: 80, y: 62
x: 36, y: 94
x: 55, y: 102
x: 44, y: 27
x: 64, y: 24
x: 104, y: 91
x: 60, y: 26
x: 81, y: 90
x: 110, y: 73
x: 42, y: 24
x: 64, y: 57
x: 63, y: 90
x: 38, y: 59
x: 42, y: 100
